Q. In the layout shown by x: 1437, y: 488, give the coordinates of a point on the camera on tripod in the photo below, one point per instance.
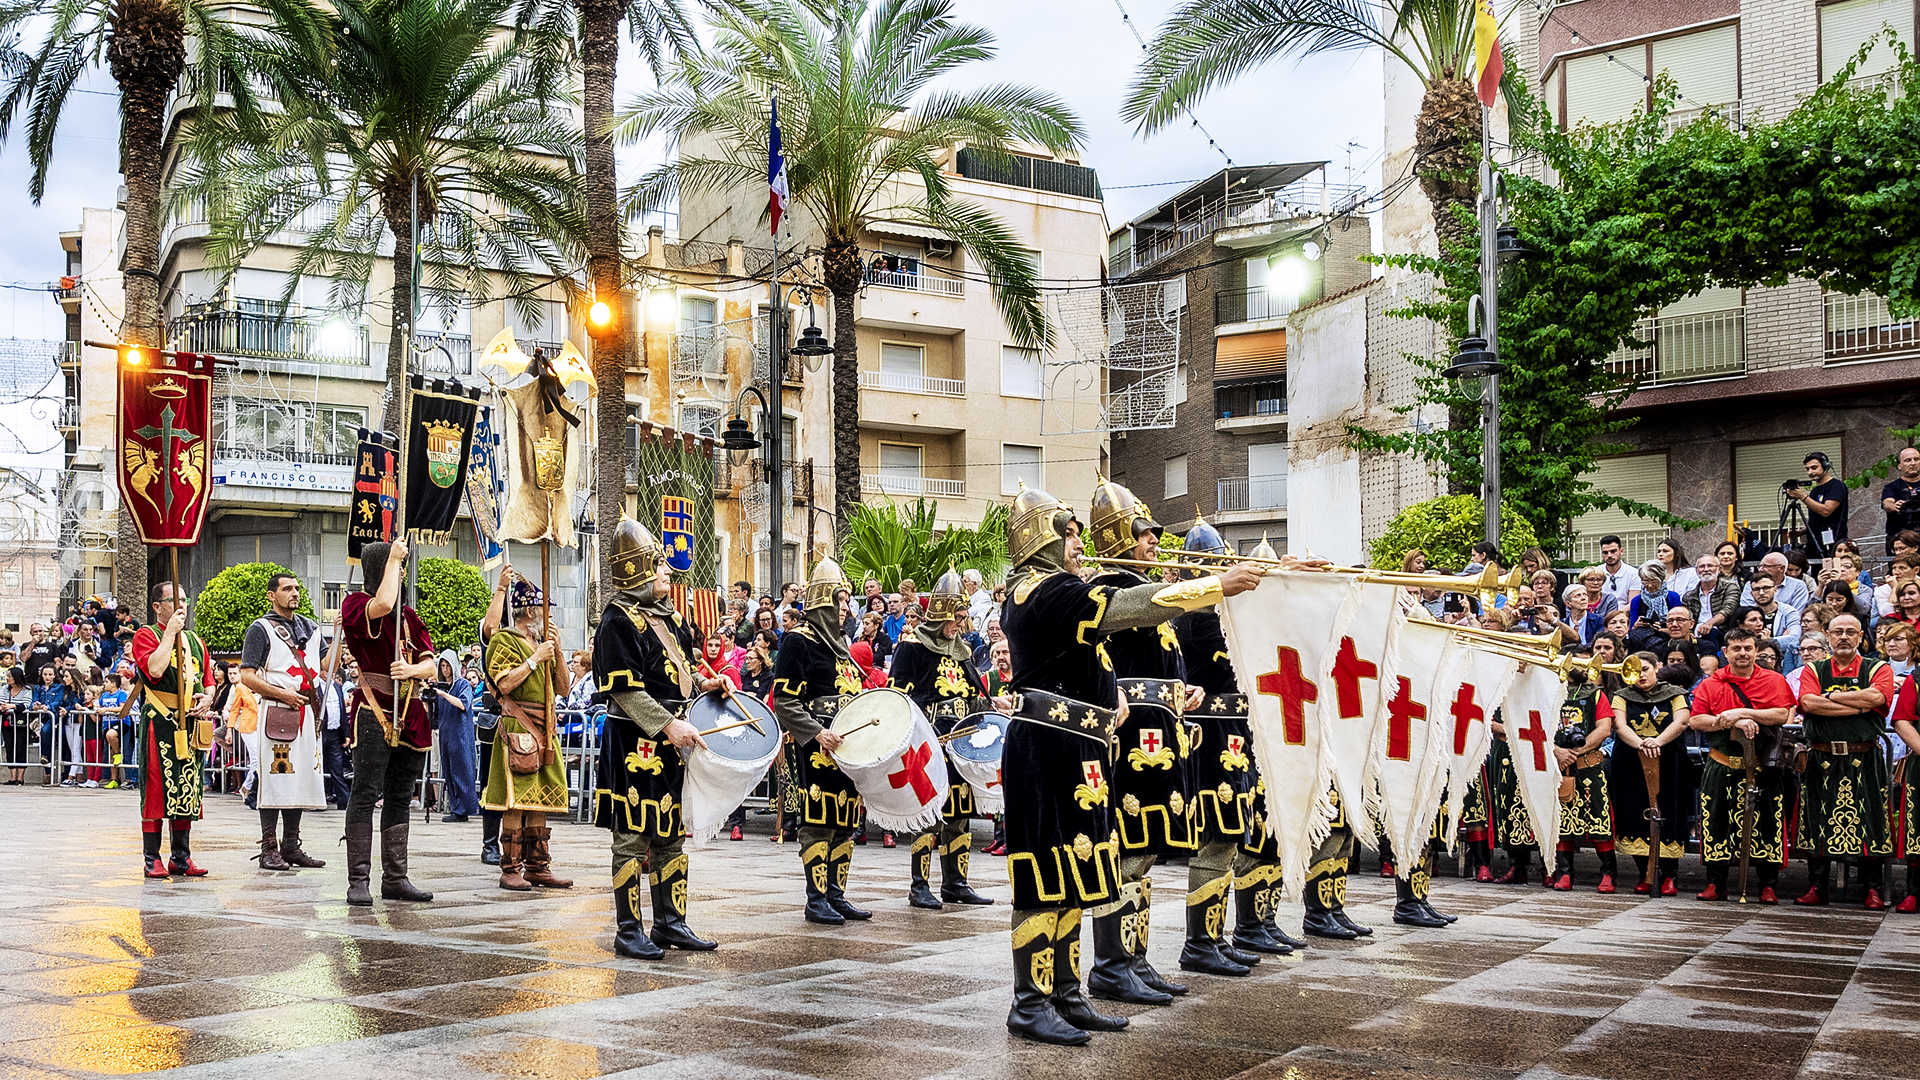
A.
x: 1792, y: 485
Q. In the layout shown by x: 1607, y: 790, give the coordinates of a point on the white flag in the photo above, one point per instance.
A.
x: 1361, y: 662
x: 1471, y: 685
x: 1279, y: 636
x: 1531, y: 714
x: 1411, y: 721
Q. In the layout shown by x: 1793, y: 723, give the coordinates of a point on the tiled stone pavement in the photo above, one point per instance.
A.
x: 247, y: 974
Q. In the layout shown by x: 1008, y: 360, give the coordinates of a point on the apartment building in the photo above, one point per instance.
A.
x: 951, y: 408
x: 1235, y: 256
x: 92, y: 299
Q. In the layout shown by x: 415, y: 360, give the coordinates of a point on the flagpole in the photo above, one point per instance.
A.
x: 776, y: 376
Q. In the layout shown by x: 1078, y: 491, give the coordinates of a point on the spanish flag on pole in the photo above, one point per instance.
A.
x: 1486, y: 51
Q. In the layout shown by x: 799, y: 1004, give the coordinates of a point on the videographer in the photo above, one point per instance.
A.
x: 1825, y: 498
x: 1900, y: 498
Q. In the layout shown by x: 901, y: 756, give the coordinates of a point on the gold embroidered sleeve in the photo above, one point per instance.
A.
x: 1136, y: 606
x: 1190, y: 595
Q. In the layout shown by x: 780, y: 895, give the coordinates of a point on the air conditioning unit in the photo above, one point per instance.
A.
x: 940, y: 249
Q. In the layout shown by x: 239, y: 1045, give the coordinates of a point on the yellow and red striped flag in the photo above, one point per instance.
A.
x: 1486, y: 51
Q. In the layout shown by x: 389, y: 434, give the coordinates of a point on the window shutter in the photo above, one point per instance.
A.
x: 1759, y: 468
x: 1600, y: 91
x: 1844, y: 27
x: 1261, y: 355
x: 1705, y: 300
x: 1706, y: 65
x: 1640, y: 477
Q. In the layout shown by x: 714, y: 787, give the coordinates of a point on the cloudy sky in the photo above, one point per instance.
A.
x: 1082, y: 50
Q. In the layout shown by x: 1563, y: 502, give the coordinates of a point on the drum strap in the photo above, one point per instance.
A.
x: 827, y: 707
x: 671, y: 643
x: 1168, y: 694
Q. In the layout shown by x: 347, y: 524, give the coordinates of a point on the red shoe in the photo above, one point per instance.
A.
x: 1515, y: 875
x: 1812, y: 898
x: 1873, y: 901
x: 1563, y: 883
x: 1908, y: 906
x: 886, y: 839
x: 1768, y: 896
x: 1606, y: 884
x: 189, y: 869
x: 1483, y: 875
x: 736, y: 834
x: 1669, y: 887
x: 157, y: 868
x: 1386, y: 869
x: 1644, y: 888
x: 994, y: 849
x: 1709, y: 894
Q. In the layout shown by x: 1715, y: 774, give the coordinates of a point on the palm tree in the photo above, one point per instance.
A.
x: 144, y: 44
x: 1204, y: 43
x: 860, y: 125
x: 380, y: 103
x: 892, y: 541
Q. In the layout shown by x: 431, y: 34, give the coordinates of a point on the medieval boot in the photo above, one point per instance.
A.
x: 1716, y: 883
x: 1409, y: 911
x: 290, y: 848
x: 1910, y: 904
x: 393, y: 867
x: 1033, y: 1014
x: 510, y: 862
x: 1113, y: 976
x: 1640, y: 864
x: 359, y: 862
x: 840, y: 864
x: 1206, y: 918
x: 1609, y: 866
x: 1270, y: 903
x: 670, y: 909
x: 1068, y: 1001
x: 920, y: 864
x: 1141, y: 904
x: 537, y: 853
x: 1249, y: 932
x: 1669, y: 877
x: 1340, y: 916
x: 270, y: 845
x: 181, y: 863
x: 629, y: 932
x: 1519, y: 863
x: 1562, y: 868
x: 490, y: 837
x: 953, y: 872
x: 1819, y: 878
x: 814, y: 868
x: 154, y: 866
x: 1326, y: 884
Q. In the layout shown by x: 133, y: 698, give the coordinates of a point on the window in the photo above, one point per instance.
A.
x: 546, y: 324
x: 1173, y: 296
x: 1176, y: 477
x: 901, y: 258
x: 902, y: 367
x: 10, y: 579
x: 1704, y: 65
x: 1180, y: 383
x: 1844, y: 27
x: 1640, y: 477
x: 1600, y: 91
x: 1266, y: 476
x: 701, y: 418
x: 900, y: 468
x: 696, y: 312
x: 1609, y: 85
x: 46, y: 577
x: 1020, y: 464
x: 273, y: 431
x: 335, y: 430
x: 1760, y: 468
x: 103, y: 580
x: 1019, y: 372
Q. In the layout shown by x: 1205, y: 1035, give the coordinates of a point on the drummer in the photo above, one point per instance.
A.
x: 812, y: 676
x: 643, y: 665
x: 934, y: 667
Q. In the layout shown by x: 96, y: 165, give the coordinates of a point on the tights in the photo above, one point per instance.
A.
x: 381, y: 774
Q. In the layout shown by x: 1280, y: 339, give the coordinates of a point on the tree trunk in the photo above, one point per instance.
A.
x: 396, y: 206
x: 613, y: 349
x: 1446, y: 140
x: 842, y: 265
x: 146, y: 51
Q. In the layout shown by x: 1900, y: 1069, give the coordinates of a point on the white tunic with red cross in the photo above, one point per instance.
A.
x: 289, y: 775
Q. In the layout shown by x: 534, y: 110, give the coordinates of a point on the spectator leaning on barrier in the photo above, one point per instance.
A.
x: 15, y: 702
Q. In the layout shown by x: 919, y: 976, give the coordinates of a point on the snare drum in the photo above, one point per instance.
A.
x: 891, y: 754
x: 976, y: 755
x: 721, y: 776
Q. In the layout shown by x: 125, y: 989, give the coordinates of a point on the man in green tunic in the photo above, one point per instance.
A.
x: 527, y: 779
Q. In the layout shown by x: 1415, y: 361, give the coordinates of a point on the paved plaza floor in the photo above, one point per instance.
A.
x: 250, y: 974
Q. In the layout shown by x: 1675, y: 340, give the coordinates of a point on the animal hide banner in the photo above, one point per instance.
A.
x: 547, y: 451
x: 165, y: 419
x: 1531, y: 714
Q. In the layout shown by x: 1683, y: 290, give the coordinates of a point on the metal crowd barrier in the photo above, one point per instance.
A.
x: 76, y: 744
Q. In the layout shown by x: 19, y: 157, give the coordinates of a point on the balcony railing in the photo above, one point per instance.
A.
x: 1637, y: 545
x: 1242, y: 400
x: 1302, y: 198
x: 1251, y: 493
x: 459, y: 347
x: 700, y: 352
x: 1680, y: 118
x: 896, y: 482
x: 916, y: 280
x: 1249, y: 304
x: 1862, y: 327
x: 912, y: 384
x: 271, y: 337
x: 230, y: 449
x: 69, y: 355
x: 1683, y: 348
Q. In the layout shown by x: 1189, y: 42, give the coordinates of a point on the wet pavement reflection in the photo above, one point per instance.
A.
x: 249, y: 974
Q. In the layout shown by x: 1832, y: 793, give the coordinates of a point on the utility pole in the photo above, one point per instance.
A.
x: 1490, y: 307
x: 776, y: 467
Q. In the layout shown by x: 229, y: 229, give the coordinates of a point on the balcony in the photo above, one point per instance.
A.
x: 1685, y: 348
x: 700, y: 352
x: 1863, y: 328
x: 1245, y: 494
x: 290, y: 338
x: 459, y: 347
x: 906, y: 383
x: 916, y: 279
x: 891, y: 482
x: 1243, y: 210
x: 1250, y: 305
x: 69, y: 356
x: 69, y: 298
x: 1250, y: 405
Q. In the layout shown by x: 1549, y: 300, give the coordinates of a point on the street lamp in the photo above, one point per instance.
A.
x: 1479, y: 354
x: 738, y: 435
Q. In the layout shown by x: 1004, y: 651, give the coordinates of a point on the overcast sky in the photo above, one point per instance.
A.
x: 1081, y: 50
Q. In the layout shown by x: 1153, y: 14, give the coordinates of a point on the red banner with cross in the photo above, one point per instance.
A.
x: 1530, y: 714
x: 164, y: 441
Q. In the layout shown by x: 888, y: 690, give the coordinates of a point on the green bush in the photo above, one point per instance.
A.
x: 890, y: 542
x: 452, y: 599
x: 1446, y: 529
x: 233, y: 599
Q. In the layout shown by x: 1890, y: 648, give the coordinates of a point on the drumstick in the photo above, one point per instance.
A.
x: 726, y: 695
x: 952, y: 735
x: 858, y: 727
x: 748, y: 722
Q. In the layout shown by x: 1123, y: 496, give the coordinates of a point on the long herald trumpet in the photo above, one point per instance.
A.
x: 1488, y: 586
x: 1629, y: 669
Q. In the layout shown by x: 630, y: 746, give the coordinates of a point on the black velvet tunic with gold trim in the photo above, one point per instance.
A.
x: 1221, y: 764
x: 948, y: 691
x: 1844, y: 798
x: 1589, y: 814
x: 640, y: 775
x: 1151, y: 749
x: 1063, y: 850
x: 809, y: 671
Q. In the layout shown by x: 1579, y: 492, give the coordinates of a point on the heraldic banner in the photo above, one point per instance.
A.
x: 440, y: 419
x: 486, y: 489
x: 376, y: 492
x: 676, y: 469
x: 166, y: 424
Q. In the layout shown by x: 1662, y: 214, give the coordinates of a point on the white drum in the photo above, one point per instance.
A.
x: 721, y: 776
x: 891, y: 754
x: 975, y: 754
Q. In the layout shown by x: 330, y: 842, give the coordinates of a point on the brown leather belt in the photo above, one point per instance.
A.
x: 1729, y: 760
x: 1842, y: 749
x: 1589, y: 759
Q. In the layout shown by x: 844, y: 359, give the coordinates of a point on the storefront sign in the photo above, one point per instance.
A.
x: 283, y: 475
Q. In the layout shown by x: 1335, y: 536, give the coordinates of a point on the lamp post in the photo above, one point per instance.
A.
x: 738, y: 435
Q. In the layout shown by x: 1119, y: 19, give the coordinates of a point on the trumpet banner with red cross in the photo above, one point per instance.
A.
x: 1530, y: 714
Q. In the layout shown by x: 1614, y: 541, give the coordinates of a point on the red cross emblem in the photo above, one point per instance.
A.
x: 1149, y: 740
x: 1402, y: 711
x: 1234, y: 743
x: 644, y: 749
x: 1536, y: 734
x: 307, y: 675
x: 1466, y: 713
x: 1295, y: 691
x: 1348, y: 670
x: 1094, y: 778
x: 913, y: 772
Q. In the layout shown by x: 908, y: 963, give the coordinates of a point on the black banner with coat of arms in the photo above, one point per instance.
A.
x: 440, y: 418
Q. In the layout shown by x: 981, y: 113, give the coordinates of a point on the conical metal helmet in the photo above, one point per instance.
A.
x: 946, y: 602
x: 1036, y: 520
x: 1264, y: 550
x: 635, y: 554
x: 1204, y: 537
x: 1119, y: 518
x: 827, y: 579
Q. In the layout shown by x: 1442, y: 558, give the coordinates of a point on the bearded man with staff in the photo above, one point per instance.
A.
x: 528, y: 777
x: 643, y: 667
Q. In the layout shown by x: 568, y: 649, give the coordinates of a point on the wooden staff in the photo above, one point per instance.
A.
x: 1650, y: 770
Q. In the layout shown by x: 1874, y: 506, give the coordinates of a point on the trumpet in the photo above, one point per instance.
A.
x: 1488, y: 586
x: 1544, y: 644
x: 1629, y: 669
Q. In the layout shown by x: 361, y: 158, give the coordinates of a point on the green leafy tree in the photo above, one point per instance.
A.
x: 452, y: 598
x: 1883, y: 468
x: 380, y: 100
x: 892, y: 542
x: 1446, y: 529
x: 233, y: 599
x: 861, y: 121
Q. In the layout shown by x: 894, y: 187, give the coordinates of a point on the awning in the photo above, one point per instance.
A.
x: 1259, y: 355
x: 901, y: 228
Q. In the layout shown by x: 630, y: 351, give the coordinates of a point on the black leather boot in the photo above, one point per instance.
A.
x: 270, y: 858
x: 1113, y: 976
x: 393, y: 867
x: 1340, y: 916
x: 1068, y: 1001
x: 953, y: 872
x: 1326, y: 892
x: 813, y: 867
x: 1249, y: 933
x: 1142, y: 907
x: 1206, y: 918
x: 840, y: 863
x: 290, y: 848
x: 670, y: 909
x: 359, y: 862
x: 630, y: 933
x: 1422, y: 882
x: 1409, y: 911
x: 1271, y: 917
x: 490, y: 837
x: 920, y: 864
x: 1033, y: 1015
